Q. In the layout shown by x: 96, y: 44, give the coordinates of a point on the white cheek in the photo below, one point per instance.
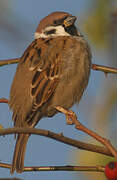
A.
x: 60, y: 31
x: 39, y: 35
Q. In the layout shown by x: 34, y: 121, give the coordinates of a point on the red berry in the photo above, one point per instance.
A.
x: 111, y: 170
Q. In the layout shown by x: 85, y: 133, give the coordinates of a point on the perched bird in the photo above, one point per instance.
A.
x: 53, y: 71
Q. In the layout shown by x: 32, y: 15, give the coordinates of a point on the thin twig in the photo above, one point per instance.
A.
x: 104, y: 69
x: 3, y: 100
x: 59, y: 168
x: 9, y: 61
x: 58, y: 137
x: 99, y: 138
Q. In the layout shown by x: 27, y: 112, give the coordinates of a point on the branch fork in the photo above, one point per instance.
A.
x: 71, y: 119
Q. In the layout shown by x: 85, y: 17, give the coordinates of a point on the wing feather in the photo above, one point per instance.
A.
x: 46, y: 74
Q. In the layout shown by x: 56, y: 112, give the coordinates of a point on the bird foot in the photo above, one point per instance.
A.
x: 70, y: 115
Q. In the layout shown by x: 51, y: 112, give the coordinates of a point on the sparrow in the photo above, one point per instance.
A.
x: 53, y: 71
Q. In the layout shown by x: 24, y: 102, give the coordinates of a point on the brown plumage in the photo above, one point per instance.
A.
x: 52, y: 71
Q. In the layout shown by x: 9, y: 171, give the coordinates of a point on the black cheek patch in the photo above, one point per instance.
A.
x: 53, y: 31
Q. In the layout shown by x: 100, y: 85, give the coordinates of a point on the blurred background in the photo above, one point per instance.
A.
x: 97, y: 20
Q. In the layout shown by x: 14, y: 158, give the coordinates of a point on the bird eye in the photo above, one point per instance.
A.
x: 59, y: 21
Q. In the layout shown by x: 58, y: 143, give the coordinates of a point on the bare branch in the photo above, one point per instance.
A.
x: 96, y: 136
x: 9, y: 61
x: 4, y: 100
x: 104, y: 69
x: 72, y: 119
x: 58, y: 137
x: 59, y: 168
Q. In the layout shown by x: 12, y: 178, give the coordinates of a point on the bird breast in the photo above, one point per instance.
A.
x: 76, y: 65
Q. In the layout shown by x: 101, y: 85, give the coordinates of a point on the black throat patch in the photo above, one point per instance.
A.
x: 71, y: 30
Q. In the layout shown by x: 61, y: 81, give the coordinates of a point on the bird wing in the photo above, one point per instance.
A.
x: 38, y: 75
x: 44, y: 61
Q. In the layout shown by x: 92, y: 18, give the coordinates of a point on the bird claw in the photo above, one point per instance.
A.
x: 70, y: 115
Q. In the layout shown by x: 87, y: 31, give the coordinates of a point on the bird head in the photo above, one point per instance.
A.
x: 57, y: 24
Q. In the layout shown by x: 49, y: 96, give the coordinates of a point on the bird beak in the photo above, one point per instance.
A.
x: 69, y: 21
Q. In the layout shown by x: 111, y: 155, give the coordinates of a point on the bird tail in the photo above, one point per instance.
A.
x: 19, y: 153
